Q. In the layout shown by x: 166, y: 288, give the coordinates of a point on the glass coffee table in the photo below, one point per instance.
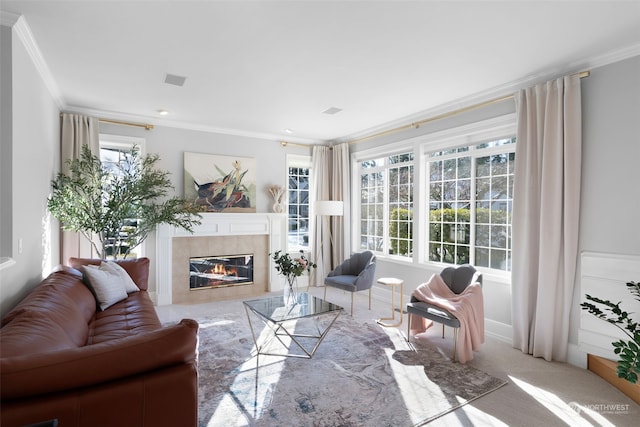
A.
x: 293, y: 329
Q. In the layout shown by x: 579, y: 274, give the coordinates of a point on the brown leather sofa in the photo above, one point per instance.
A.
x: 61, y: 358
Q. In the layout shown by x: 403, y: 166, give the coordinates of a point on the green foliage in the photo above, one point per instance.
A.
x: 400, y: 231
x: 628, y: 351
x: 118, y: 208
x: 288, y: 266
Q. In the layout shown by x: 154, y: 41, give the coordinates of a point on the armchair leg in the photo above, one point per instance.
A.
x: 352, y: 303
x: 443, y: 331
x: 455, y: 342
x: 369, y: 298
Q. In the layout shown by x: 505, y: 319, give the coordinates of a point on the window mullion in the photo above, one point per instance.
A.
x: 472, y: 210
x: 386, y: 218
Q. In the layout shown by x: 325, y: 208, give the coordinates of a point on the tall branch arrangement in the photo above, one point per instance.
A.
x: 118, y: 206
x: 629, y: 351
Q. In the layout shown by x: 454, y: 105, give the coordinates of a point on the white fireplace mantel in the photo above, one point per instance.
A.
x: 217, y: 224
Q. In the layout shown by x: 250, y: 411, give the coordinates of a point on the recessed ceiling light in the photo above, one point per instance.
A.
x: 163, y: 112
x: 332, y: 110
x: 289, y: 131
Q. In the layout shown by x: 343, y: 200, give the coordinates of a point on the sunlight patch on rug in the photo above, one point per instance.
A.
x: 361, y: 375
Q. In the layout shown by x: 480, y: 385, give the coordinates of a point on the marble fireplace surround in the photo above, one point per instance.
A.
x: 219, y: 234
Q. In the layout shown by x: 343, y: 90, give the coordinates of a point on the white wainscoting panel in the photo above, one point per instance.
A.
x: 604, y: 276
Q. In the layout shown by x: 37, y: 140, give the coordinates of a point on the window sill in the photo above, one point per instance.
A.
x: 6, y: 262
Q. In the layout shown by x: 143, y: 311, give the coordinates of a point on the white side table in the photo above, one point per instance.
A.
x: 394, y: 283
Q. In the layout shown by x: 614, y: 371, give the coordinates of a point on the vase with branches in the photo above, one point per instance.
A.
x: 627, y: 350
x: 277, y: 192
x: 116, y: 208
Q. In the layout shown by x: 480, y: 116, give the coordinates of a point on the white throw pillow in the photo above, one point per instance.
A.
x: 106, y: 284
x: 129, y: 284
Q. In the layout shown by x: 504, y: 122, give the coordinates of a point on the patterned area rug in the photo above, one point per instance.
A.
x: 361, y: 375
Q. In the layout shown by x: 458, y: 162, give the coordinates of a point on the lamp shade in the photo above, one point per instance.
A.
x: 329, y: 207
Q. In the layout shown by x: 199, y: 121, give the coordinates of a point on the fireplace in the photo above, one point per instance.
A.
x: 220, y: 235
x: 220, y: 271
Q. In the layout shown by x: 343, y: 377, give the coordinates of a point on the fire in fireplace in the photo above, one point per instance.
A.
x: 220, y: 271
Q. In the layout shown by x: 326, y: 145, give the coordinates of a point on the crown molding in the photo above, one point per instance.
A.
x: 238, y: 132
x: 503, y: 90
x: 614, y: 56
x: 8, y: 19
x: 111, y: 115
x: 25, y: 35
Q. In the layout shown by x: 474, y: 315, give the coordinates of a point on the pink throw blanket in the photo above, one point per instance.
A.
x: 468, y: 307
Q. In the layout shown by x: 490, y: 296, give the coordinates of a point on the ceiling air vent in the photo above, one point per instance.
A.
x: 172, y: 79
x: 332, y: 110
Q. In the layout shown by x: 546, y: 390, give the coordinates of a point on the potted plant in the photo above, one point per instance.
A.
x: 291, y: 269
x: 116, y: 208
x: 628, y: 351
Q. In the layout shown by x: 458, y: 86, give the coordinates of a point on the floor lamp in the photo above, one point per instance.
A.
x: 328, y: 208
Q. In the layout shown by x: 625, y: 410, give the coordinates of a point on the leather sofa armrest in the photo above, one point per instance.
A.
x: 68, y: 369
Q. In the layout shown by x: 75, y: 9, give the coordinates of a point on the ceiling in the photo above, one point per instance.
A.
x: 259, y: 68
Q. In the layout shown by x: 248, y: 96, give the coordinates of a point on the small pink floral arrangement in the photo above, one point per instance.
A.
x: 288, y: 266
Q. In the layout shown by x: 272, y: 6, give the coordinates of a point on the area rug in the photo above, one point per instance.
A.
x: 361, y: 375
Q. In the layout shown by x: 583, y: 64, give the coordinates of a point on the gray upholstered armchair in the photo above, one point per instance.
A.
x: 457, y: 279
x: 353, y: 275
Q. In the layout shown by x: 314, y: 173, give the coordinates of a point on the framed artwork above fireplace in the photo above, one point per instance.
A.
x: 220, y: 183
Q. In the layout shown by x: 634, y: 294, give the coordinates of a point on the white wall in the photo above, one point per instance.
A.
x: 6, y: 136
x: 610, y: 199
x: 610, y: 207
x: 35, y: 160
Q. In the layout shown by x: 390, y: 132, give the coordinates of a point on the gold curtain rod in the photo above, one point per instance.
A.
x: 416, y: 125
x: 287, y: 143
x: 123, y: 123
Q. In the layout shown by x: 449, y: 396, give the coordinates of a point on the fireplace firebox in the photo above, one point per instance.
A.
x: 220, y: 271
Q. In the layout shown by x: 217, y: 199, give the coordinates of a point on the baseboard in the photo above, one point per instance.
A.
x: 498, y: 330
x: 576, y: 356
x: 606, y: 369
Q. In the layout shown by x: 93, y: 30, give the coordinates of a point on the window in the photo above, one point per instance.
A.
x: 115, y: 150
x: 386, y: 204
x: 299, y: 174
x: 470, y: 201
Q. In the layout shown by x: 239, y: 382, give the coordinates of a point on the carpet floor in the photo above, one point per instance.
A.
x: 361, y: 375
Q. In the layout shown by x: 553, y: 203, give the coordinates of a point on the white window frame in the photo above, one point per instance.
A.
x: 125, y: 143
x: 356, y: 161
x: 463, y: 136
x: 298, y: 161
x: 122, y: 142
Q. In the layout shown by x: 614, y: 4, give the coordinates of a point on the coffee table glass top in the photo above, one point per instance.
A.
x: 276, y: 310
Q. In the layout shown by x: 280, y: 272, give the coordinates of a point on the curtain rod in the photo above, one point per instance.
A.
x: 287, y: 143
x: 123, y: 123
x: 416, y: 125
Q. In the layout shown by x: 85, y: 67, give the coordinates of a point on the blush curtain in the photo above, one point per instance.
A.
x: 320, y: 190
x: 546, y: 213
x: 330, y: 181
x: 340, y: 225
x: 77, y: 130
